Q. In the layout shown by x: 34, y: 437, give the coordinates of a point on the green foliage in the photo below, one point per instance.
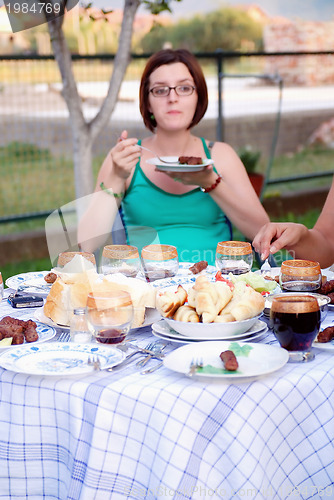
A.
x: 16, y: 149
x: 249, y: 157
x: 226, y: 28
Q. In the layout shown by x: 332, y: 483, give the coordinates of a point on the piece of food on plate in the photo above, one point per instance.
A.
x: 208, y: 298
x: 50, y: 277
x: 198, y: 267
x: 326, y: 335
x: 70, y: 291
x: 230, y: 361
x: 18, y: 330
x: 168, y: 302
x: 245, y: 303
x: 190, y: 160
x: 256, y: 281
x: 187, y: 314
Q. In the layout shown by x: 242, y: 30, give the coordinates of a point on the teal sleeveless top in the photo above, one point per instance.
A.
x: 192, y: 221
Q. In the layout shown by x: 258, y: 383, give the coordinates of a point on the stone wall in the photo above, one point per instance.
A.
x: 301, y: 36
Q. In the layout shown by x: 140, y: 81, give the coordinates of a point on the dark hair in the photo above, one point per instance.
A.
x: 169, y: 56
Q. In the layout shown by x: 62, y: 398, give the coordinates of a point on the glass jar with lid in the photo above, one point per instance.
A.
x: 79, y: 327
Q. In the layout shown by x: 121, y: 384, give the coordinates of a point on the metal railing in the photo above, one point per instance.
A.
x: 18, y: 126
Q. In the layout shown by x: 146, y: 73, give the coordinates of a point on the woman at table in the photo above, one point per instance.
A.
x: 190, y: 210
x: 313, y: 244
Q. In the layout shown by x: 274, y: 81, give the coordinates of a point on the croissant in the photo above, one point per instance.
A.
x: 187, y: 314
x: 209, y: 298
x: 245, y: 303
x: 167, y: 302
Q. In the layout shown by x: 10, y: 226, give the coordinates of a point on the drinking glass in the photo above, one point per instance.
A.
x: 120, y: 259
x: 159, y: 261
x: 300, y: 276
x: 110, y: 315
x: 65, y: 257
x: 295, y: 321
x: 234, y: 257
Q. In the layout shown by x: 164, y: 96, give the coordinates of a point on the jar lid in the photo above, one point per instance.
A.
x: 300, y: 267
x: 120, y: 252
x: 159, y: 252
x: 105, y: 300
x: 234, y: 248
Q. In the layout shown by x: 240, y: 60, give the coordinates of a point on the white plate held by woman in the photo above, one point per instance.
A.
x: 175, y: 166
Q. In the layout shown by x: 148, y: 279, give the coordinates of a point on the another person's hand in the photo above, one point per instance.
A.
x: 125, y: 154
x: 274, y: 236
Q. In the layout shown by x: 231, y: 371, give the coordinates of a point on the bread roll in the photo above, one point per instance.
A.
x: 209, y: 298
x: 186, y: 314
x: 168, y: 302
x: 245, y: 303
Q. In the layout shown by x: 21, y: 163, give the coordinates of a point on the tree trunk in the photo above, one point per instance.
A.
x: 84, y: 133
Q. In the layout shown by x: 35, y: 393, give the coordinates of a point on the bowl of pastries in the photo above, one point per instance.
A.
x: 215, y: 308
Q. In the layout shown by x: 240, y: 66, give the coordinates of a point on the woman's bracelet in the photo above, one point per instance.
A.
x: 214, y: 185
x: 111, y: 193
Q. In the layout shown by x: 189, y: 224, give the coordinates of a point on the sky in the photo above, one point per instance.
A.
x: 312, y: 10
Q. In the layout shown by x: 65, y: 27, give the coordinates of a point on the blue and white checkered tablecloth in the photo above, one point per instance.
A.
x: 122, y: 435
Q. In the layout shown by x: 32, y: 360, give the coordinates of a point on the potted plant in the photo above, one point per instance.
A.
x: 250, y: 158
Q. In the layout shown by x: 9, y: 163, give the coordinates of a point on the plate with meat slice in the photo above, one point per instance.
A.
x: 32, y: 283
x: 23, y: 332
x: 253, y: 359
x: 174, y: 165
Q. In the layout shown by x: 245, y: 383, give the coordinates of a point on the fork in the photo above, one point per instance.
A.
x: 156, y: 348
x: 95, y: 362
x: 159, y: 158
x: 266, y: 268
x: 194, y: 365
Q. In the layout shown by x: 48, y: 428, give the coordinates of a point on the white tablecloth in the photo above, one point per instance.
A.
x: 124, y: 435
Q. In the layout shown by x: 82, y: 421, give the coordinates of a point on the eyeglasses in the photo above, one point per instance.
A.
x: 181, y: 90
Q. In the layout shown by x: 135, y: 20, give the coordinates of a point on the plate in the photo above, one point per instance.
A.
x: 58, y: 358
x: 254, y: 359
x: 151, y: 315
x: 175, y: 166
x: 45, y: 332
x: 32, y: 280
x: 213, y: 330
x: 184, y: 276
x: 326, y: 346
x: 162, y: 330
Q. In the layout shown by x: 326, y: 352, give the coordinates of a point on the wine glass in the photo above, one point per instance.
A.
x: 299, y: 275
x: 120, y: 259
x: 159, y: 261
x: 110, y: 314
x: 83, y: 260
x: 295, y: 320
x: 234, y: 257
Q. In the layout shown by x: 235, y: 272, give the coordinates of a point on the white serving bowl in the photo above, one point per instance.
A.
x: 218, y: 330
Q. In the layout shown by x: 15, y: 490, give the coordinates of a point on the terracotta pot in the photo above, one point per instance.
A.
x: 257, y: 181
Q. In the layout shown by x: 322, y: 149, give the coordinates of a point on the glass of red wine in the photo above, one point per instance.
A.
x: 159, y: 261
x: 110, y: 315
x: 234, y: 257
x: 298, y: 275
x: 295, y: 320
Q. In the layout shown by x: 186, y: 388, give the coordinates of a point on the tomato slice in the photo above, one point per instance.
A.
x: 219, y: 277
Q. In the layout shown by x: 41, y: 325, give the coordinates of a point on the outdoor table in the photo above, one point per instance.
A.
x: 120, y: 434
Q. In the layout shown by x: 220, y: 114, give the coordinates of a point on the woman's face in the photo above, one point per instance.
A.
x: 172, y: 112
